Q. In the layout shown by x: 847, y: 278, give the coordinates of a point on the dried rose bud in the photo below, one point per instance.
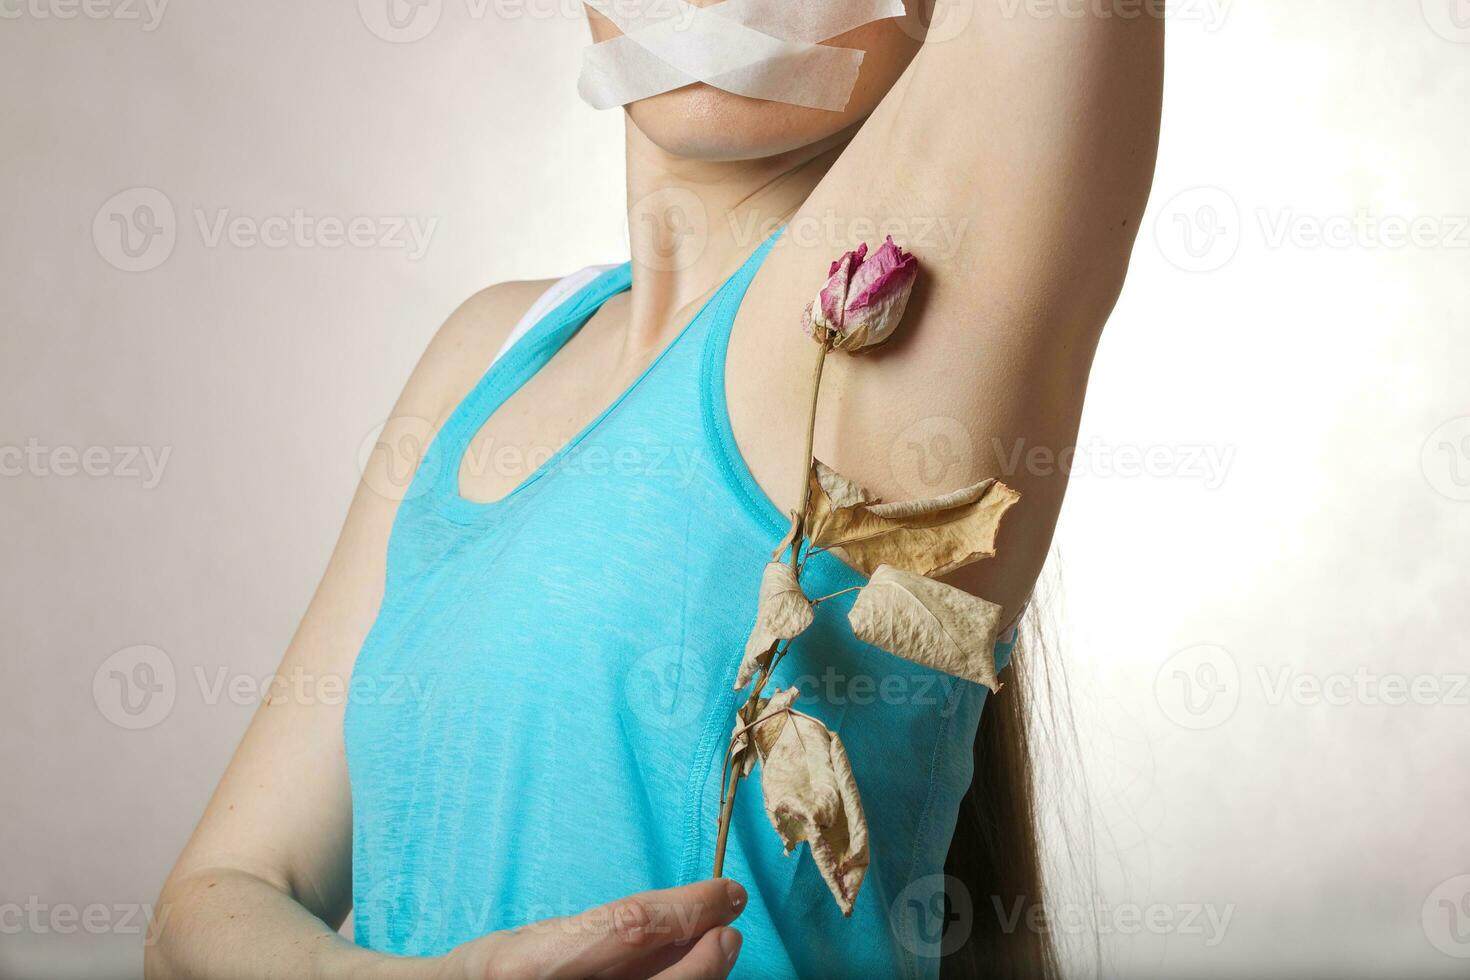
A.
x: 864, y: 297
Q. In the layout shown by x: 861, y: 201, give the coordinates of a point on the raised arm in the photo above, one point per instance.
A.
x: 1014, y: 159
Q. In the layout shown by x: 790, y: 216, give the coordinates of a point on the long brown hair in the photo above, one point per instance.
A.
x: 995, y: 862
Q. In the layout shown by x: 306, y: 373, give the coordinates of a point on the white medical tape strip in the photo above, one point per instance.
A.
x: 811, y: 20
x: 703, y: 46
x: 763, y: 49
x: 816, y: 21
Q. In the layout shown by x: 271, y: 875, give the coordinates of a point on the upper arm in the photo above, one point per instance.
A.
x: 1015, y: 161
x: 1041, y: 129
x: 1016, y: 156
x: 282, y: 811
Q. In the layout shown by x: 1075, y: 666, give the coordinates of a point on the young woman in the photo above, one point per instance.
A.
x: 542, y: 629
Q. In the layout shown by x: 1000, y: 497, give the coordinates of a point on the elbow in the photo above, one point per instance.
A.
x: 165, y: 933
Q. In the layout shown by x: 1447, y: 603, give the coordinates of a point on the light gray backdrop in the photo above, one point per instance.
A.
x: 1262, y: 560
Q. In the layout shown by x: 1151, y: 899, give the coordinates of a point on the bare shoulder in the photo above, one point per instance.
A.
x: 465, y: 344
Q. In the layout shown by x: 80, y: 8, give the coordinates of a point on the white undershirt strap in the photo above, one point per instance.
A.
x: 548, y: 301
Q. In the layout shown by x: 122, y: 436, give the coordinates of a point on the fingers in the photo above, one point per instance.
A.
x: 625, y: 932
x: 697, y: 955
x: 712, y: 958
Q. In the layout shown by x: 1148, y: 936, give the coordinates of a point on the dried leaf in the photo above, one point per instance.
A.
x: 931, y: 536
x: 788, y: 540
x: 782, y: 613
x: 770, y: 715
x: 841, y: 491
x: 835, y: 492
x: 811, y: 795
x: 907, y: 509
x: 929, y: 623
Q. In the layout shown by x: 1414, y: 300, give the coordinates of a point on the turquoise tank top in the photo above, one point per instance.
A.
x: 540, y: 713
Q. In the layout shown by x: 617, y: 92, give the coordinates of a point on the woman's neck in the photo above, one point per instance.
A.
x: 692, y: 222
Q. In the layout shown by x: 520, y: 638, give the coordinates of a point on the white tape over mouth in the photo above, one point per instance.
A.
x: 763, y: 49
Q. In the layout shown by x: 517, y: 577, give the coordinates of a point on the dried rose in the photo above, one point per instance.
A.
x: 864, y: 297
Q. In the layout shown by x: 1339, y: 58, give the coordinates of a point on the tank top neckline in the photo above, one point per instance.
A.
x: 507, y: 375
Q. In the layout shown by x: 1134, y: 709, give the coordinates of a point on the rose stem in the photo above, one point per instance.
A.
x: 725, y: 813
x: 833, y: 595
x: 811, y: 435
x: 737, y: 769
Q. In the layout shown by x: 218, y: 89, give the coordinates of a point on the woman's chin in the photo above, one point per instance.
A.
x: 701, y: 122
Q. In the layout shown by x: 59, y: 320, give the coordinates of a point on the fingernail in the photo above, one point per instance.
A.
x: 737, y: 895
x: 730, y: 945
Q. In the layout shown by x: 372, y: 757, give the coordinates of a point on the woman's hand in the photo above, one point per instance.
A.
x: 675, y: 934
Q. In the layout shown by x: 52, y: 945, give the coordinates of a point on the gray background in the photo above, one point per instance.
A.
x: 1274, y: 489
